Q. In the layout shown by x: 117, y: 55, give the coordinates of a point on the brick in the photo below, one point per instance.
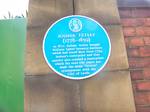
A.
x: 134, y: 87
x: 134, y: 52
x: 139, y: 62
x: 140, y: 31
x: 146, y: 73
x: 126, y: 42
x: 143, y: 86
x: 142, y: 98
x: 147, y: 22
x: 128, y: 22
x: 139, y: 21
x: 136, y: 74
x: 143, y: 31
x: 144, y: 51
x: 141, y: 12
x: 147, y: 40
x: 129, y: 31
x: 143, y: 109
x: 134, y: 42
x: 125, y: 13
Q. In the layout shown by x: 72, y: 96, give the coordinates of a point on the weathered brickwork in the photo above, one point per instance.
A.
x: 136, y: 28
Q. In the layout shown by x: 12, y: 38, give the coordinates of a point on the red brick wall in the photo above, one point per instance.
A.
x: 136, y: 28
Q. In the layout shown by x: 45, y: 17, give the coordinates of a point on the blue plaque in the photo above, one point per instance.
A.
x: 76, y: 47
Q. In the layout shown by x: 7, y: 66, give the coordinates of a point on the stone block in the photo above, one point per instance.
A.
x: 107, y: 92
x: 118, y: 58
x: 35, y: 63
x: 51, y: 93
x: 105, y: 12
x: 45, y: 12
